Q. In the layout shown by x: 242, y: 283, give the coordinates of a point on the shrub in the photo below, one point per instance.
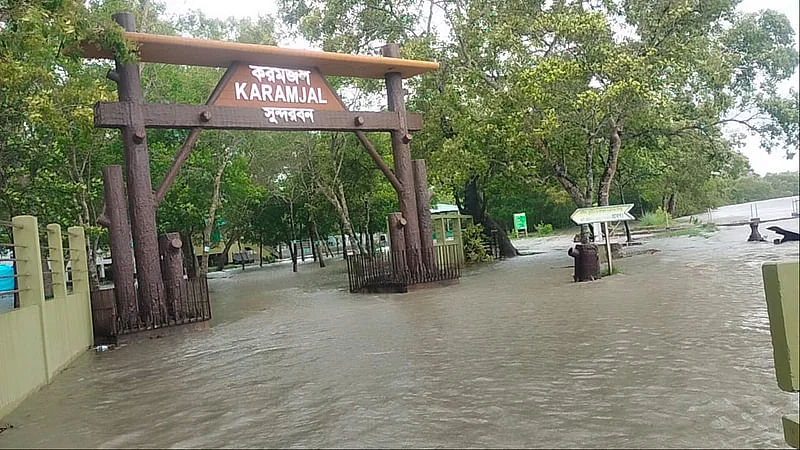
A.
x: 654, y: 219
x: 474, y: 240
x: 544, y: 229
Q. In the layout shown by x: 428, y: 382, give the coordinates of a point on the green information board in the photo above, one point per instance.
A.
x: 520, y: 222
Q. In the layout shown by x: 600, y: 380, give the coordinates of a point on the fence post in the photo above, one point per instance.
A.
x: 30, y: 280
x: 80, y: 271
x: 29, y: 263
x: 56, y: 255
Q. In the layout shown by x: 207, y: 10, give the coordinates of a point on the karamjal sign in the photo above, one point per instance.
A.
x: 283, y: 94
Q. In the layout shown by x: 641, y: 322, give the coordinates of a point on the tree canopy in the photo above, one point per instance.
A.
x: 539, y: 106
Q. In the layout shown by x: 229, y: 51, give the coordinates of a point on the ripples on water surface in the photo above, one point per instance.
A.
x: 675, y: 352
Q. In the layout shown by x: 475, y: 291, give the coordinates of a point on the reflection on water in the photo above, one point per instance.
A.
x: 675, y: 352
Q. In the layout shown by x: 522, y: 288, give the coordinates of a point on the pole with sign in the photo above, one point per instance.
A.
x: 521, y: 223
x: 603, y: 215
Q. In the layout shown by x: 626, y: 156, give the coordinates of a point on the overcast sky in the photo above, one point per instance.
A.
x: 760, y: 160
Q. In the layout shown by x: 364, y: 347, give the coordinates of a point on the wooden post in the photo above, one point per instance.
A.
x: 56, y: 256
x: 423, y: 197
x: 402, y: 157
x: 140, y: 189
x: 119, y: 234
x: 172, y: 269
x: 604, y: 225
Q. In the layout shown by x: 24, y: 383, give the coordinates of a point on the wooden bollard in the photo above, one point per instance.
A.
x: 169, y: 245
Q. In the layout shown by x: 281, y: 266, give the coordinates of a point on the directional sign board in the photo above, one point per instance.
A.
x: 600, y: 214
x: 520, y: 221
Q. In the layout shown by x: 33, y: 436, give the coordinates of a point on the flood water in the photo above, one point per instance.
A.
x: 673, y: 352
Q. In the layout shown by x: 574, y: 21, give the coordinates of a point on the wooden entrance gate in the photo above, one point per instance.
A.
x: 263, y: 88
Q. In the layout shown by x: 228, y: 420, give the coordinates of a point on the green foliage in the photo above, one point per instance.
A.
x: 474, y: 240
x: 531, y: 96
x: 544, y: 229
x: 657, y: 218
x: 523, y: 115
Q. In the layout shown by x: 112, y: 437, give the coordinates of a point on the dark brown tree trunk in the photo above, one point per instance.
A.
x: 672, y: 204
x: 615, y: 141
x: 189, y: 257
x: 475, y: 205
x: 312, y: 243
x: 622, y: 200
x: 344, y: 242
x: 224, y: 257
x: 315, y: 237
x: 293, y: 251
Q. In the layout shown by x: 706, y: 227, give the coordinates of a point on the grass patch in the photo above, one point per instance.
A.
x: 703, y: 230
x: 615, y: 271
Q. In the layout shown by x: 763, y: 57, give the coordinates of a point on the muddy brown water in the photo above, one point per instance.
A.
x: 674, y: 352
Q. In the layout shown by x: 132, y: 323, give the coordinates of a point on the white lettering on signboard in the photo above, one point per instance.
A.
x: 288, y: 114
x: 290, y: 93
x: 278, y: 93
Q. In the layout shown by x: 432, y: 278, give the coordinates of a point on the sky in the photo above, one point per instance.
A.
x: 761, y: 161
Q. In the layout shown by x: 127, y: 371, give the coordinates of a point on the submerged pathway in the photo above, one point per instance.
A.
x: 674, y: 352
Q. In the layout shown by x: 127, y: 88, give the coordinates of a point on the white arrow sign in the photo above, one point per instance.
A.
x: 600, y: 214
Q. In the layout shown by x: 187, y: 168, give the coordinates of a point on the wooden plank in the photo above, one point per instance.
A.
x: 202, y: 52
x: 117, y: 115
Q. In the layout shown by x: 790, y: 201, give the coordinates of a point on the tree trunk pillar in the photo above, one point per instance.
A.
x: 397, y: 241
x: 119, y: 234
x: 172, y: 268
x: 401, y: 152
x: 423, y: 197
x: 141, y: 201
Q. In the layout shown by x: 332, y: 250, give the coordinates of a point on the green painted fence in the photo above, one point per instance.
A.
x: 41, y: 337
x: 782, y: 289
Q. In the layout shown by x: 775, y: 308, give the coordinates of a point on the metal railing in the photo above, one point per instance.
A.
x: 192, y: 305
x: 9, y: 286
x: 395, y: 271
x: 492, y: 246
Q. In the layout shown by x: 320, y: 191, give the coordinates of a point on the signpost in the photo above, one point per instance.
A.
x: 521, y: 223
x: 603, y: 215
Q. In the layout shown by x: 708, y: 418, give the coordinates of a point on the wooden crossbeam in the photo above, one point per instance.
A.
x: 117, y: 115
